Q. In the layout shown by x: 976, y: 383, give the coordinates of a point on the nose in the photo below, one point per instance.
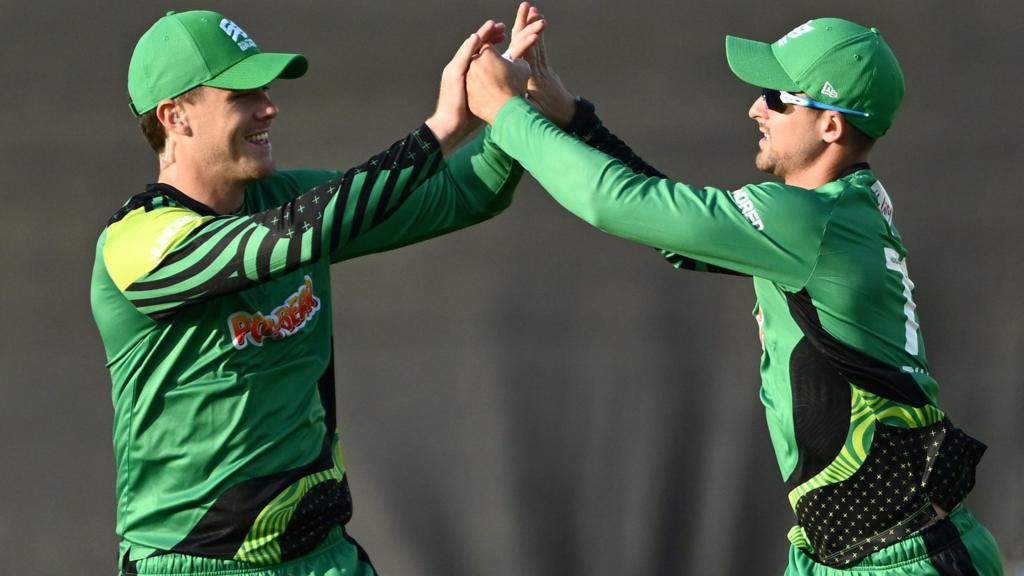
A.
x: 759, y: 109
x: 267, y: 110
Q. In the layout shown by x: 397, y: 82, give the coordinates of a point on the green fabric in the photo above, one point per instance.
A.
x: 832, y: 60
x: 837, y: 243
x: 184, y: 50
x: 910, y: 557
x: 336, y: 556
x: 217, y: 387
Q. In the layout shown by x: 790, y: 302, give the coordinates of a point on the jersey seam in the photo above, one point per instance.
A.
x: 821, y: 241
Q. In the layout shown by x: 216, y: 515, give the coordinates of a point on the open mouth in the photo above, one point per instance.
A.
x: 261, y: 138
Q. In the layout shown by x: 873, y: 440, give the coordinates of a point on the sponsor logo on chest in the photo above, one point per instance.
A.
x: 287, y: 319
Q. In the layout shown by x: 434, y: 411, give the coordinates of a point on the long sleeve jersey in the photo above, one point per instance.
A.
x: 217, y: 330
x: 851, y: 405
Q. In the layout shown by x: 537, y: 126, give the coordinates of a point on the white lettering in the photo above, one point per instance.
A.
x: 899, y: 265
x: 232, y: 29
x: 884, y: 202
x: 746, y: 206
x: 163, y: 241
x: 795, y: 33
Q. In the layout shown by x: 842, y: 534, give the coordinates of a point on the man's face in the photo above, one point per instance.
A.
x: 230, y: 133
x: 789, y: 141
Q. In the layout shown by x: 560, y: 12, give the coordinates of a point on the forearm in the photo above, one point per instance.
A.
x: 586, y: 181
x: 586, y: 126
x: 475, y: 183
x: 702, y: 224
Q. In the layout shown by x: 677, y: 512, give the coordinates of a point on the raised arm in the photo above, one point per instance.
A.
x: 721, y: 228
x: 577, y: 116
x: 164, y: 252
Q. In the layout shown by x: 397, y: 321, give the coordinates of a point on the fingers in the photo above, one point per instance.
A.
x: 524, y: 39
x: 540, y: 52
x: 465, y: 52
x: 521, y: 17
x: 487, y: 52
x: 535, y: 27
x: 491, y: 32
x: 534, y: 15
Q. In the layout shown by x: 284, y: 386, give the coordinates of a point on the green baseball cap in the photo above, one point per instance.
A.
x: 833, y: 61
x: 200, y: 48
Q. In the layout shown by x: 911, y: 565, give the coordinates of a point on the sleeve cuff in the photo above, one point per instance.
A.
x: 584, y: 120
x: 427, y: 140
x: 515, y: 107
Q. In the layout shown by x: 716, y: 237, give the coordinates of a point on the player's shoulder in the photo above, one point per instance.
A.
x: 145, y: 229
x: 778, y: 196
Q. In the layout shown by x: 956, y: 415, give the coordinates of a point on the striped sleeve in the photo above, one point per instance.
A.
x: 164, y: 256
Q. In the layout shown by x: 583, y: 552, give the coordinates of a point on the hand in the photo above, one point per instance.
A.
x: 492, y: 80
x: 452, y: 121
x: 525, y: 32
x: 545, y: 87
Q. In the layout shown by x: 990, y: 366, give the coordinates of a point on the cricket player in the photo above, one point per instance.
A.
x: 211, y: 291
x: 876, y: 471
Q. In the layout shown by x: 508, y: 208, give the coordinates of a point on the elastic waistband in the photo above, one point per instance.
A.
x: 916, y: 548
x: 183, y: 564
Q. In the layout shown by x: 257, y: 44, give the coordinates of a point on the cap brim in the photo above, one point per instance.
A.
x: 259, y: 70
x: 755, y: 63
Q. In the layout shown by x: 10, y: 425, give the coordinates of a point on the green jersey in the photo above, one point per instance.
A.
x: 843, y: 367
x: 217, y: 330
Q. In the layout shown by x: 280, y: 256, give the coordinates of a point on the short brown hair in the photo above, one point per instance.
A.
x: 860, y: 139
x: 151, y: 127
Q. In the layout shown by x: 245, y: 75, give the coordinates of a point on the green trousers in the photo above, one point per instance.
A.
x: 338, y: 555
x: 955, y: 546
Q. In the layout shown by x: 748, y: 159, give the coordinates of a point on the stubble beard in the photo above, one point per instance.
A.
x: 766, y: 162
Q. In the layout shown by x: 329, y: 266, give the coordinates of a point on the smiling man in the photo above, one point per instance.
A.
x: 877, y: 474
x: 211, y: 291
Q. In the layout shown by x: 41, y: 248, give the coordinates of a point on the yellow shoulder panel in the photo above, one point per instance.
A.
x: 137, y: 243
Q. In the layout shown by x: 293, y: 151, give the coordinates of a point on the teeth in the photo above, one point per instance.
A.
x: 259, y: 137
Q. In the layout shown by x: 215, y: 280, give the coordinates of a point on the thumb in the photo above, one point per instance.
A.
x: 466, y: 51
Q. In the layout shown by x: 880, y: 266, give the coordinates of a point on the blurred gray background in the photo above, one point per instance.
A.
x: 529, y: 396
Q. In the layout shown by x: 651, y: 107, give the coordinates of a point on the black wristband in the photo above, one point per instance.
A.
x: 584, y: 119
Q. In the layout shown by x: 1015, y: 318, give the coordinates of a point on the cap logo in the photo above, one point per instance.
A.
x: 235, y: 31
x: 795, y: 33
x: 829, y: 90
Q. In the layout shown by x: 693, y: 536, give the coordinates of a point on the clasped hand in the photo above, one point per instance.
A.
x: 478, y: 81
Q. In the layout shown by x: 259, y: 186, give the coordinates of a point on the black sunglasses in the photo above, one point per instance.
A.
x: 776, y: 100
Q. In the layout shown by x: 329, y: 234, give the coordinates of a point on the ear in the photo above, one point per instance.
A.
x: 831, y: 126
x: 172, y: 118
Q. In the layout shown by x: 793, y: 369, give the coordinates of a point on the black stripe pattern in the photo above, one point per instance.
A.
x: 859, y: 369
x: 946, y: 549
x: 296, y: 230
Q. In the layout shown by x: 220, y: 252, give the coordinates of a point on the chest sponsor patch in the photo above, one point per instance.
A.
x: 285, y: 320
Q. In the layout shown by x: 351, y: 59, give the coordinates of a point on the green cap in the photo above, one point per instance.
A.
x: 832, y: 60
x: 200, y: 48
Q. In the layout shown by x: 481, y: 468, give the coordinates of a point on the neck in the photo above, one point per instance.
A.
x: 828, y: 167
x: 221, y: 196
